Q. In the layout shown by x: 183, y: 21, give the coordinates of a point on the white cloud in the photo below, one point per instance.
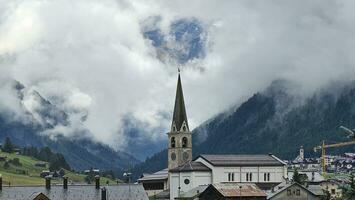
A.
x: 91, y: 60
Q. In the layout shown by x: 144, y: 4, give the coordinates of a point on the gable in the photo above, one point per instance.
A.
x: 41, y: 196
x: 292, y: 191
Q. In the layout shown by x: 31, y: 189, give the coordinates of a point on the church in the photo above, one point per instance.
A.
x: 186, y: 174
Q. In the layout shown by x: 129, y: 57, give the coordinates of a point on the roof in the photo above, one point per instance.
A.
x: 316, y: 190
x: 289, y: 185
x: 157, y: 176
x: 238, y: 190
x: 194, y: 191
x: 179, y: 115
x: 191, y: 166
x: 74, y: 192
x: 312, y: 176
x: 165, y: 194
x: 242, y: 160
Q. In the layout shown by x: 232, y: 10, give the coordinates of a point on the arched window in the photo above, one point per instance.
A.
x: 264, y: 176
x: 173, y: 142
x: 184, y: 128
x: 184, y: 142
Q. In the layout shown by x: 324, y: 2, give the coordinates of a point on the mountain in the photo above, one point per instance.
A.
x: 41, y: 115
x: 276, y: 121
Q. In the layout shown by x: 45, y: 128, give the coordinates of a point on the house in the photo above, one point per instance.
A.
x: 333, y: 187
x: 300, y: 162
x: 74, y: 192
x: 296, y: 191
x: 155, y: 183
x: 224, y: 191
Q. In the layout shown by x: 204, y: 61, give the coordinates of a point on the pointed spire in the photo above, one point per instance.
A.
x: 179, y: 116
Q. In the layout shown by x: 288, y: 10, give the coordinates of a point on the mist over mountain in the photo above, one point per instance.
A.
x: 41, y: 116
x: 276, y: 120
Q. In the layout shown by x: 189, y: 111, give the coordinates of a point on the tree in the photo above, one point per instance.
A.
x: 8, y: 146
x: 349, y: 191
x: 6, y: 165
x: 297, y: 177
x: 16, y: 162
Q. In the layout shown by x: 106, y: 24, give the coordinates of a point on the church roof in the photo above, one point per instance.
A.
x: 242, y: 160
x: 191, y: 166
x: 179, y: 115
x: 157, y: 176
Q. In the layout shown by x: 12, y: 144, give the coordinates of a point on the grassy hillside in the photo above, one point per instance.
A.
x: 29, y: 174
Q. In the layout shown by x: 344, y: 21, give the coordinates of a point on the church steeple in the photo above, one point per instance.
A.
x: 179, y: 122
x: 180, y: 144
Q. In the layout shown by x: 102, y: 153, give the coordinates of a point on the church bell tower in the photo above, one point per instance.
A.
x: 179, y: 143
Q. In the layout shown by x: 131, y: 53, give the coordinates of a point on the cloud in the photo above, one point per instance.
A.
x: 91, y: 59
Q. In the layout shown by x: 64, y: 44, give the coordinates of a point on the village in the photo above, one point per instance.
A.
x: 205, y: 177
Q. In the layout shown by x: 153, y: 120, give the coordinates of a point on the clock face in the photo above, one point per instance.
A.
x: 173, y: 156
x: 185, y: 156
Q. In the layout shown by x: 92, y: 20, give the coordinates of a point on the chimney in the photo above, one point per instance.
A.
x: 0, y: 182
x: 65, y: 182
x: 103, y: 193
x: 48, y: 182
x: 97, y: 182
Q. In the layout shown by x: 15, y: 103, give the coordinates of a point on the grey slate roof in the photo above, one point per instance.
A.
x: 179, y: 115
x: 242, y: 160
x: 157, y: 176
x: 315, y: 191
x: 191, y: 166
x: 75, y: 192
x: 194, y: 191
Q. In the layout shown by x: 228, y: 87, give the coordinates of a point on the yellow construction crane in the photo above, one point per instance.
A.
x: 326, y: 146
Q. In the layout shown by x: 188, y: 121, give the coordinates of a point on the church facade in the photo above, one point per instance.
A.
x: 184, y: 174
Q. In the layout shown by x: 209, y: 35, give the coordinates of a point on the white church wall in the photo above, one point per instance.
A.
x: 194, y: 179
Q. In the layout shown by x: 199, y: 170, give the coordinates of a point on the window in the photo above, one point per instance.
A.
x: 230, y: 176
x: 184, y: 128
x: 173, y: 142
x: 186, y: 181
x: 298, y: 192
x: 333, y: 191
x: 249, y: 176
x: 184, y: 142
x: 289, y: 192
x: 268, y: 176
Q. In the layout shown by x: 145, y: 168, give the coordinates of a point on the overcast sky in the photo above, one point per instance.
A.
x: 89, y: 57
